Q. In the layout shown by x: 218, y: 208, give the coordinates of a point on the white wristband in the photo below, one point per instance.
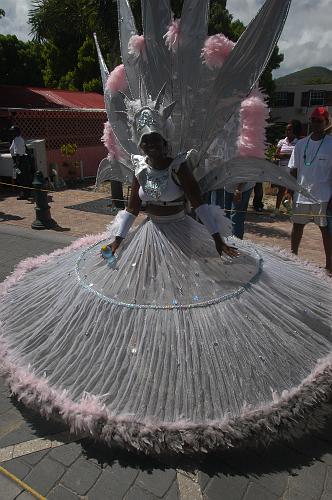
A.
x: 127, y: 220
x: 205, y: 216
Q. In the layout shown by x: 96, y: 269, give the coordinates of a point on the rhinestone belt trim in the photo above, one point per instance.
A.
x: 205, y: 303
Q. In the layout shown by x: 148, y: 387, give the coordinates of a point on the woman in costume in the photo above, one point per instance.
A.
x: 170, y: 349
x: 165, y: 195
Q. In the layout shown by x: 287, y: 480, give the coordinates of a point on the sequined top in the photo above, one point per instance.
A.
x: 158, y: 185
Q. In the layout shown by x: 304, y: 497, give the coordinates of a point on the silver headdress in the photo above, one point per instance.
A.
x: 208, y: 100
x: 146, y: 116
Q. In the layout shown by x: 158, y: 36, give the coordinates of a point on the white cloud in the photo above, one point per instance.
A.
x: 305, y: 41
x: 307, y: 36
x: 15, y: 21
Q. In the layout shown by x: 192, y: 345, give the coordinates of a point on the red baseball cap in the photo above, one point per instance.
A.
x: 320, y: 113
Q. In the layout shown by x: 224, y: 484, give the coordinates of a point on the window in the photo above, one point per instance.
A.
x: 328, y: 99
x: 317, y: 98
x: 283, y: 100
x: 305, y: 99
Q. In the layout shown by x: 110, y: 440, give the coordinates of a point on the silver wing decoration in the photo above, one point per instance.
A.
x: 248, y: 170
x: 113, y: 170
x: 206, y: 116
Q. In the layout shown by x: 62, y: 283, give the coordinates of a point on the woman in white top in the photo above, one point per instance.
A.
x: 284, y: 152
x: 163, y: 183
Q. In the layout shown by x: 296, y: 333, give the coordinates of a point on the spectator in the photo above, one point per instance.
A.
x: 284, y: 151
x: 257, y: 202
x: 236, y: 205
x: 311, y: 163
x: 21, y: 162
x: 328, y: 130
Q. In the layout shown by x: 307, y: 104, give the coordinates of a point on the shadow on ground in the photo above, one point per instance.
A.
x: 246, y: 462
x: 271, y: 232
x: 243, y: 461
x: 8, y: 217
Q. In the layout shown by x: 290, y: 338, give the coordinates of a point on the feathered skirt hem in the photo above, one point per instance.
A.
x: 287, y: 416
x: 296, y: 412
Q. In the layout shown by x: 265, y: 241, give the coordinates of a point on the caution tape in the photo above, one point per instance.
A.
x: 23, y: 485
x: 226, y: 210
x: 25, y: 187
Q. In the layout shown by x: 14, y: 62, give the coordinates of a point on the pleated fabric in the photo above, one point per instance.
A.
x: 171, y: 341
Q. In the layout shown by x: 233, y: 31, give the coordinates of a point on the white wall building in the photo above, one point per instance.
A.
x: 296, y: 102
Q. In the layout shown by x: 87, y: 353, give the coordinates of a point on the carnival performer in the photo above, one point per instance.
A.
x: 170, y: 202
x: 184, y: 341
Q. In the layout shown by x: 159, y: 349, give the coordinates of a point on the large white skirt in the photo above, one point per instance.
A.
x: 173, y: 349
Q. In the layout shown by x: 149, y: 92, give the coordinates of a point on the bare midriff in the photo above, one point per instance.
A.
x: 159, y: 210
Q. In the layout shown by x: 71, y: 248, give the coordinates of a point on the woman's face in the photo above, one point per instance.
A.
x: 289, y: 131
x: 153, y: 145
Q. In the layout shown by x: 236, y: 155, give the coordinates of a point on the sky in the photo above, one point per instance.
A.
x: 306, y: 39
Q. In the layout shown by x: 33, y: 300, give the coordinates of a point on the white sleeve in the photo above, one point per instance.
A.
x: 294, y: 159
x: 126, y: 221
x: 205, y: 216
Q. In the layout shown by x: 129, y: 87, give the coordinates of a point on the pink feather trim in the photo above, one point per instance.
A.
x: 294, y: 407
x: 110, y: 142
x: 117, y: 79
x: 172, y: 35
x: 216, y: 49
x: 136, y: 45
x: 254, y: 113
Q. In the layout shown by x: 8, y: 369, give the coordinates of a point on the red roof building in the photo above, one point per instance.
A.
x: 60, y: 117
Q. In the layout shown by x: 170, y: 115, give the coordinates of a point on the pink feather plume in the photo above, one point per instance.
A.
x: 117, y: 79
x: 216, y: 49
x: 136, y: 45
x: 172, y: 35
x: 254, y: 113
x: 110, y: 142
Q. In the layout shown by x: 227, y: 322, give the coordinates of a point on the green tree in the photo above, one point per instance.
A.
x: 87, y: 65
x: 266, y: 81
x: 65, y: 27
x: 21, y: 62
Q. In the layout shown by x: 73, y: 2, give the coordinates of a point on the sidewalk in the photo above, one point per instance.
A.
x: 261, y: 228
x: 76, y: 223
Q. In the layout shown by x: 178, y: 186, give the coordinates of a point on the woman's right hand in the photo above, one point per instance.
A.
x: 237, y: 196
x: 115, y: 244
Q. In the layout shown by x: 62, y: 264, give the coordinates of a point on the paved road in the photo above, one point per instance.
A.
x: 62, y: 467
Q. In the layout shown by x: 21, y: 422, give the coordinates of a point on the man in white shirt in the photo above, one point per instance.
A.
x: 311, y: 163
x: 21, y: 163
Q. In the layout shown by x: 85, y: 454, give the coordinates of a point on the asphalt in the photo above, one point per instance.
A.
x: 53, y: 464
x: 17, y: 243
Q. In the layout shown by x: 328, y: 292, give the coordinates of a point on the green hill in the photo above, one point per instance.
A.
x: 307, y: 76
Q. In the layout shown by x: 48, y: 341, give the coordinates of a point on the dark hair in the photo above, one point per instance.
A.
x: 297, y: 127
x: 16, y: 130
